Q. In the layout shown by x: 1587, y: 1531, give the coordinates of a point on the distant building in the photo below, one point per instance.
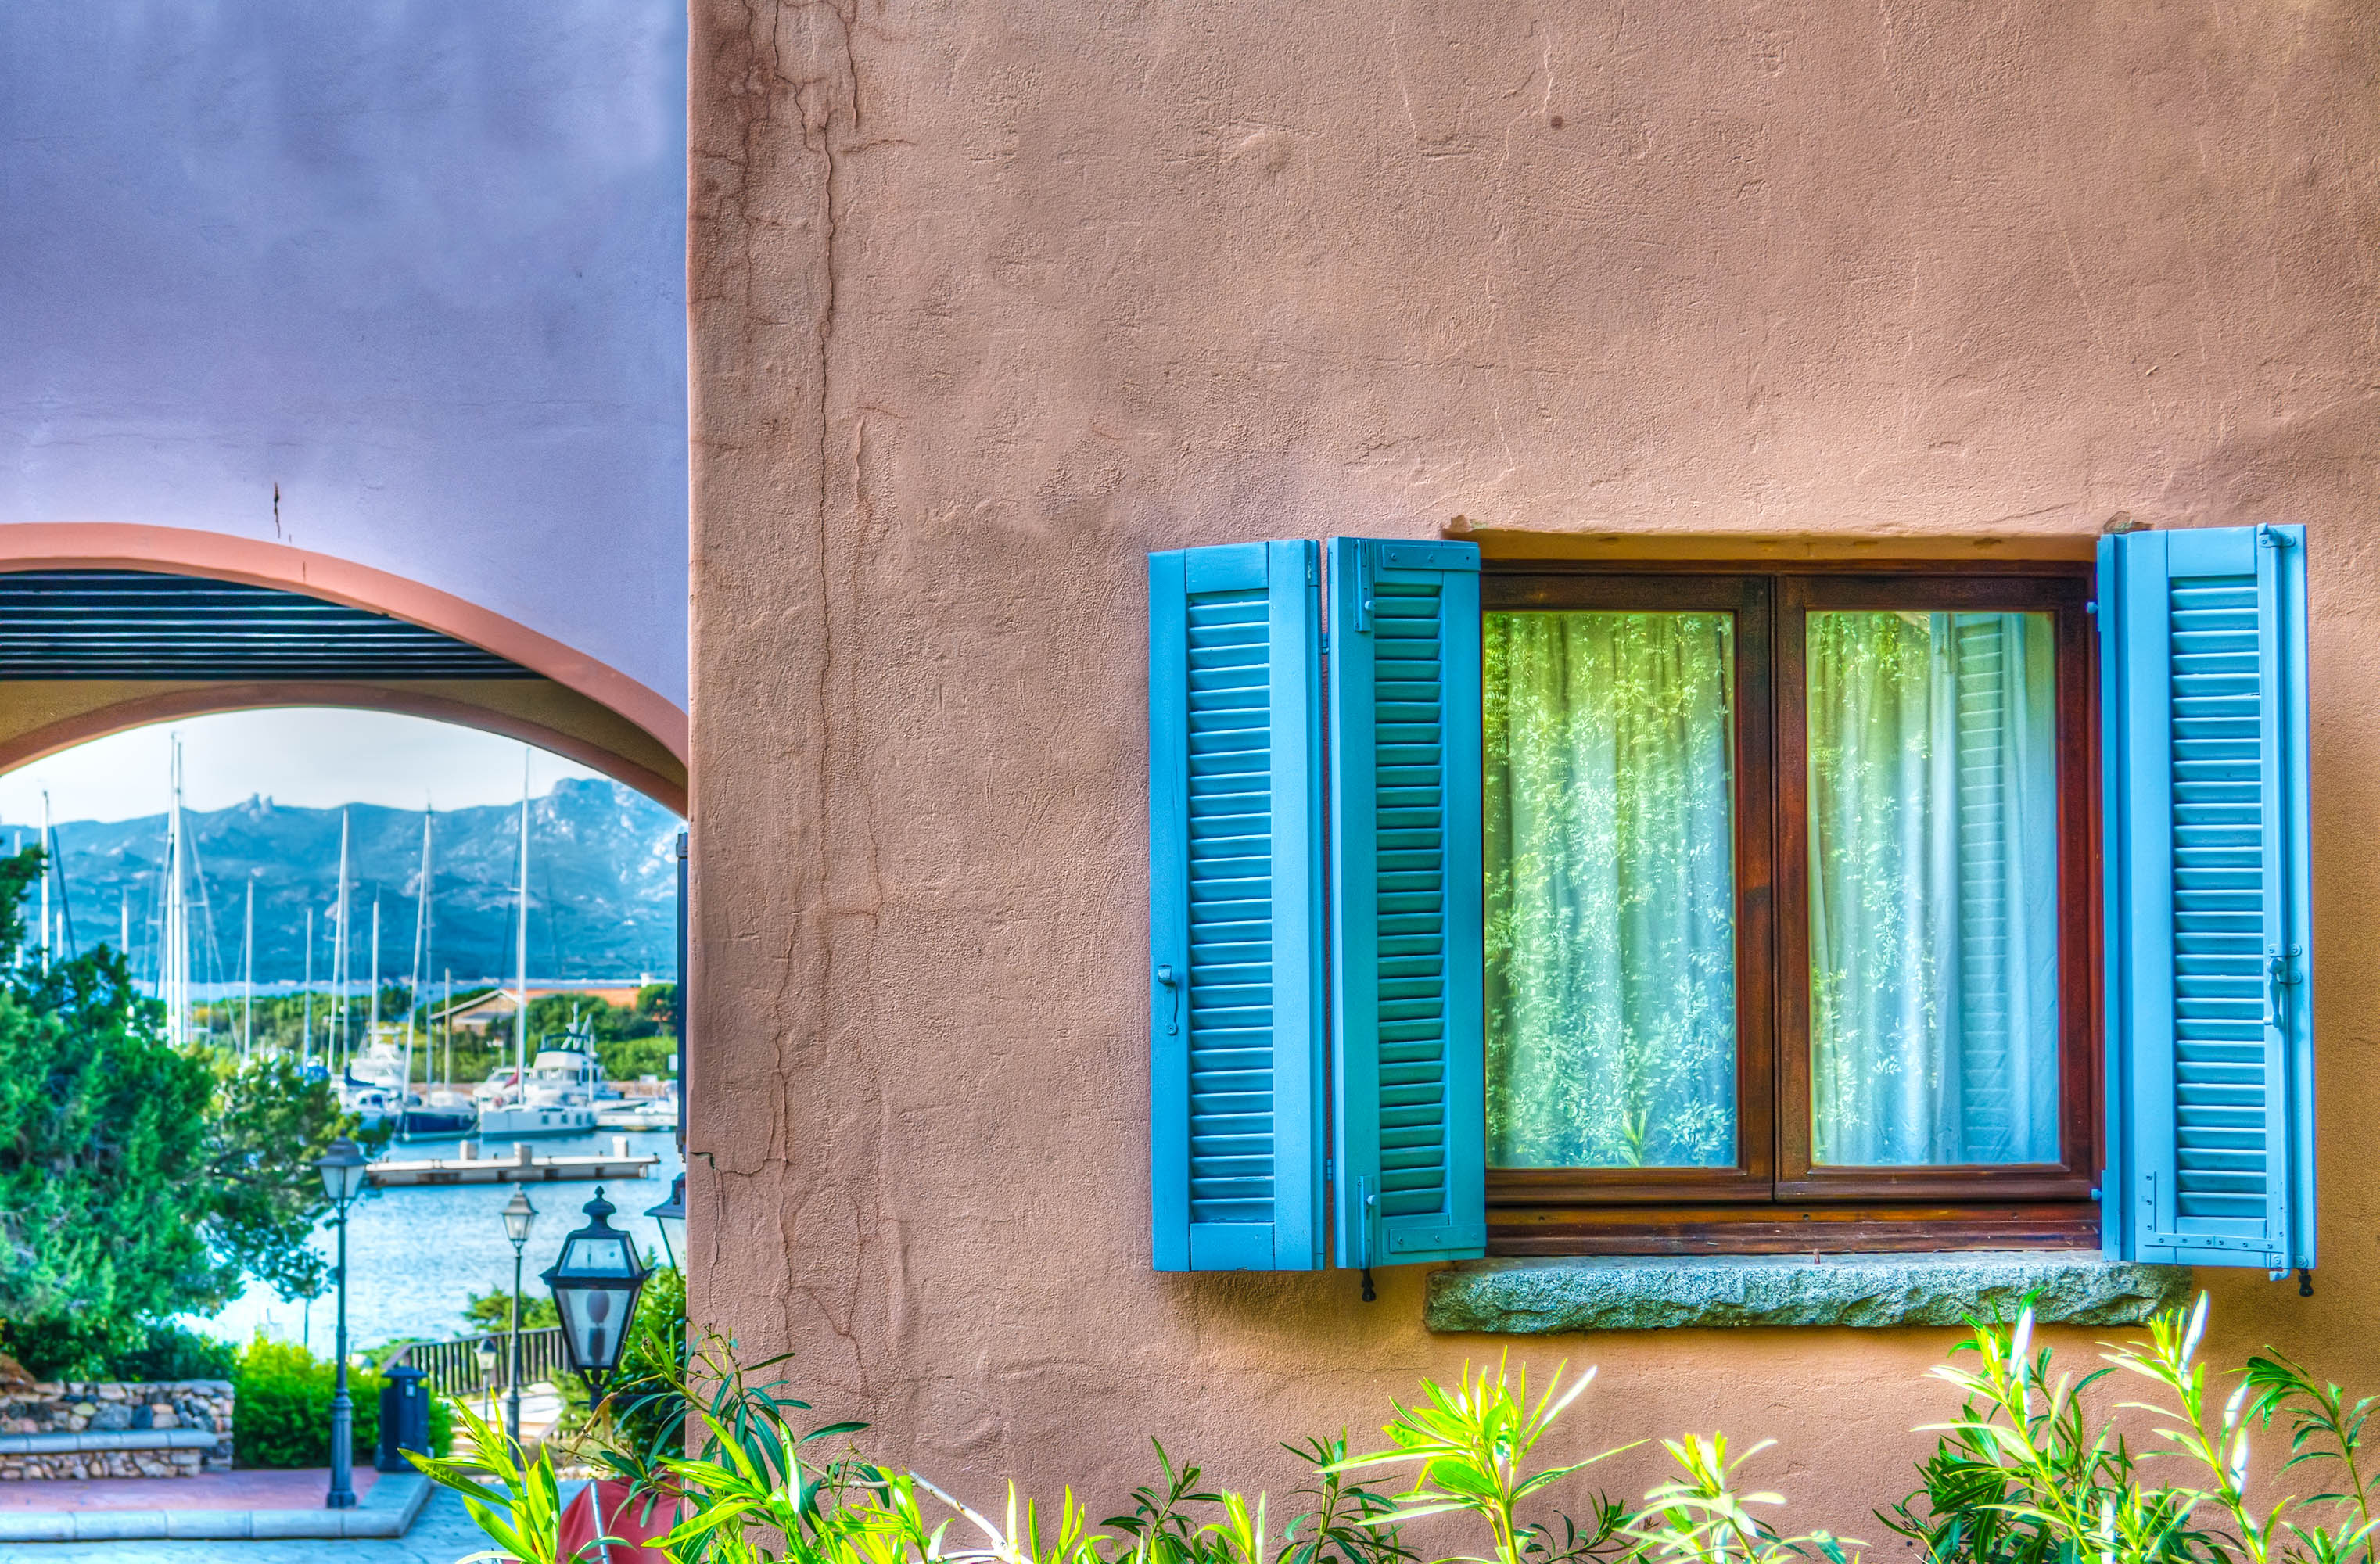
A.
x: 496, y: 1009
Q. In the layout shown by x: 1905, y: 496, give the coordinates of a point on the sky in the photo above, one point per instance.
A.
x: 398, y: 281
x: 306, y: 756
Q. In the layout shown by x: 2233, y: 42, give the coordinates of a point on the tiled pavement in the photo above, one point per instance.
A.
x: 212, y: 1490
x: 442, y: 1534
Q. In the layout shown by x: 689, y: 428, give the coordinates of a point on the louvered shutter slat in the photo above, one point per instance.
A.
x: 2210, y: 950
x: 1236, y: 886
x: 1407, y: 936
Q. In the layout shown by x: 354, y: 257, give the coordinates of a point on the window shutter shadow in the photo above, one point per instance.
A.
x: 1235, y: 907
x: 1407, y: 942
x: 2210, y: 1021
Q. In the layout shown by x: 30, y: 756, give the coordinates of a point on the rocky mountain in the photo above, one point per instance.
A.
x: 603, y: 886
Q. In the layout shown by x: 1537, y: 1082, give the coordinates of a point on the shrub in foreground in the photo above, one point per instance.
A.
x: 283, y: 1415
x: 2024, y: 1474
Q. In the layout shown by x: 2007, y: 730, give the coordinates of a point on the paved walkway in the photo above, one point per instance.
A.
x: 442, y: 1534
x: 299, y: 1489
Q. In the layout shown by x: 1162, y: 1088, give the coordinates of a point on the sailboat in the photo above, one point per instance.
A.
x: 438, y: 1111
x: 555, y: 1095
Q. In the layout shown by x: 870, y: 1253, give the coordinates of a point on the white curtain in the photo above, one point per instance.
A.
x: 1933, y: 830
x: 1610, y: 890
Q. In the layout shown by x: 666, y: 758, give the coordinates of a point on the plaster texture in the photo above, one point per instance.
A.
x: 988, y: 299
x: 402, y: 283
x: 1872, y: 1292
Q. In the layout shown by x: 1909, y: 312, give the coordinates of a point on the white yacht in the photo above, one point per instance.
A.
x: 557, y: 1099
x: 372, y: 1085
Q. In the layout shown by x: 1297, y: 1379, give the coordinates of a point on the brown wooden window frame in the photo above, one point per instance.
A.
x: 1773, y: 1200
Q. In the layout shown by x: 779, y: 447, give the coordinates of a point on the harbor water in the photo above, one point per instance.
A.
x: 414, y: 1255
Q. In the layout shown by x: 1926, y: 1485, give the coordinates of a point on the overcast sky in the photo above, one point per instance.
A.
x: 308, y: 756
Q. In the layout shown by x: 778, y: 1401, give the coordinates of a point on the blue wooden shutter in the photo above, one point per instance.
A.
x: 2210, y: 952
x: 1235, y: 907
x: 1407, y: 944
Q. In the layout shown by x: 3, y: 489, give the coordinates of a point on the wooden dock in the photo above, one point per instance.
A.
x: 523, y: 1166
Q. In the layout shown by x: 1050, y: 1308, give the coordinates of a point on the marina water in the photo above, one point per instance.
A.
x: 416, y: 1255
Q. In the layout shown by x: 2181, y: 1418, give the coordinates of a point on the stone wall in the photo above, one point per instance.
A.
x: 81, y: 1408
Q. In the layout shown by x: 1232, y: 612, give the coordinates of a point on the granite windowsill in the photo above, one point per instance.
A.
x: 1540, y: 1297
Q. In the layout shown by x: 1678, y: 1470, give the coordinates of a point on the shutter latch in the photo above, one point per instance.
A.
x: 1172, y: 984
x: 2278, y: 974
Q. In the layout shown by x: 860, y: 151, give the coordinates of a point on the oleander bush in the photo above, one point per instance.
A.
x: 283, y: 1415
x: 2029, y: 1471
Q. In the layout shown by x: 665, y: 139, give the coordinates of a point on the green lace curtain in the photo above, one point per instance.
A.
x: 1610, y: 890
x: 1933, y: 888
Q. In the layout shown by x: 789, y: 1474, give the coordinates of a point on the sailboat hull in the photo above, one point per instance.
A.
x: 514, y: 1123
x: 431, y: 1122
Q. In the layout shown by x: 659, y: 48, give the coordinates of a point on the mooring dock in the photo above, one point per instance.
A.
x: 523, y: 1166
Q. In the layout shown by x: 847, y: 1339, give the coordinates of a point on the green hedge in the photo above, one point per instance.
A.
x: 282, y: 1418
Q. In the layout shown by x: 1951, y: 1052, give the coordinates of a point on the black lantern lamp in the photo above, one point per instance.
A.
x: 670, y: 1217
x: 595, y: 1285
x: 519, y: 1216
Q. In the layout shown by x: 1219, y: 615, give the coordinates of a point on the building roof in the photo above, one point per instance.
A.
x: 612, y: 992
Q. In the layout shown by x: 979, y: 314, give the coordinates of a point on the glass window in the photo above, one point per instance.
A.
x: 1611, y: 896
x: 1933, y: 913
x: 1787, y: 908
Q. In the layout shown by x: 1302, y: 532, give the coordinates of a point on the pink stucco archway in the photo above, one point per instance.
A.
x: 600, y: 717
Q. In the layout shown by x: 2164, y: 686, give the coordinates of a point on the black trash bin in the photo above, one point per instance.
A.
x: 404, y: 1418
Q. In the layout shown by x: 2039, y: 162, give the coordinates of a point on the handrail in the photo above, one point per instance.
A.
x: 455, y: 1368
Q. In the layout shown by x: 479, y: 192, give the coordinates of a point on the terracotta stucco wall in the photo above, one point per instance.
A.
x: 988, y: 299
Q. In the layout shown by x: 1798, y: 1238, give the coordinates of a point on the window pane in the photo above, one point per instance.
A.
x: 1609, y: 767
x: 1933, y: 817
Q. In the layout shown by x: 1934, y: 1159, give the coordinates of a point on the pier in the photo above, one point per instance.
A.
x: 523, y: 1166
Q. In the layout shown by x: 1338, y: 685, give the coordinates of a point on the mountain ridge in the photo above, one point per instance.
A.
x: 603, y: 886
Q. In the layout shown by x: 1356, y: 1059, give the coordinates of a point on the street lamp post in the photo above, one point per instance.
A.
x: 670, y: 1217
x: 595, y: 1285
x: 342, y: 1168
x: 519, y: 1216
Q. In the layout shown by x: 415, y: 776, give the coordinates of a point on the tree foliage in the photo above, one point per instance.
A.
x: 137, y: 1181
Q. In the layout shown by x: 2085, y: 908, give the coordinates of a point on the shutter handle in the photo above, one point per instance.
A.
x: 2277, y: 975
x: 1173, y: 982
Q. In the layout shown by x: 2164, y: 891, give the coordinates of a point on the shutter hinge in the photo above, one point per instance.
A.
x: 1363, y: 588
x: 2094, y: 1196
x: 2091, y: 608
x: 1326, y: 642
x: 2272, y: 538
x: 1313, y: 567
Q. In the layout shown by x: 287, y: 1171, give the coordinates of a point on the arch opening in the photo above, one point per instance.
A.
x: 106, y: 627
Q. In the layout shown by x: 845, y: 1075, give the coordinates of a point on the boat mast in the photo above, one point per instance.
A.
x: 371, y: 1027
x: 48, y: 866
x: 306, y: 1027
x: 520, y: 994
x: 334, y: 1044
x: 176, y: 962
x: 247, y: 978
x: 420, y: 933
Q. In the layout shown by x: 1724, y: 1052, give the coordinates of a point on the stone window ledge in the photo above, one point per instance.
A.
x: 1542, y: 1297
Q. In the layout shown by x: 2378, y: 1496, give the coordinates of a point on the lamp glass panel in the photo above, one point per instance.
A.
x: 603, y: 1254
x: 594, y: 1318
